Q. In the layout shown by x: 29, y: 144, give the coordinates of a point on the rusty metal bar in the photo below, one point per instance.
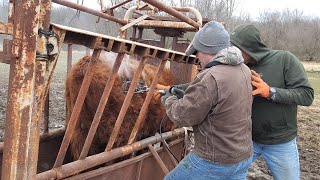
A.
x: 139, y: 19
x: 143, y: 111
x: 139, y: 169
x: 140, y: 30
x: 69, y: 60
x: 162, y: 41
x: 45, y: 136
x: 46, y: 115
x: 168, y: 18
x: 41, y: 87
x: 134, y: 33
x: 158, y: 159
x: 90, y: 11
x: 173, y: 12
x: 101, y: 106
x: 72, y: 168
x: 140, y: 14
x: 24, y: 103
x: 120, y: 4
x: 5, y: 56
x: 165, y: 24
x: 172, y: 158
x: 46, y: 21
x: 73, y: 35
x: 3, y: 59
x: 123, y: 29
x: 10, y: 13
x: 77, y: 109
x: 6, y: 28
x: 125, y: 104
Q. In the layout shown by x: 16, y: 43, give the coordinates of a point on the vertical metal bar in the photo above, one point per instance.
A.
x: 140, y: 30
x: 162, y: 41
x: 69, y: 60
x: 101, y: 106
x: 173, y: 159
x: 125, y: 105
x: 12, y: 63
x: 77, y: 109
x: 87, y: 51
x: 139, y: 170
x: 134, y: 34
x: 46, y: 114
x: 10, y: 13
x: 69, y: 65
x: 158, y: 159
x: 23, y: 115
x: 40, y: 92
x: 186, y: 72
x: 174, y: 42
x: 143, y: 111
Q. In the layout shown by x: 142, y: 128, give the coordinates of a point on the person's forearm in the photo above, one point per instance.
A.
x: 300, y: 96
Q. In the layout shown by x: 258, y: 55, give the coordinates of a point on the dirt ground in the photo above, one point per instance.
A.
x: 308, y: 121
x: 308, y: 145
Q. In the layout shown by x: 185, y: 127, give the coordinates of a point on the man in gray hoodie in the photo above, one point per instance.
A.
x: 217, y: 104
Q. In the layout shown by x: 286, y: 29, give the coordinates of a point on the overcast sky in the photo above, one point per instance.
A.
x: 254, y: 7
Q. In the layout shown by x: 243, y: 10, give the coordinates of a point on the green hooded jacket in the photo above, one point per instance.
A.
x: 274, y: 121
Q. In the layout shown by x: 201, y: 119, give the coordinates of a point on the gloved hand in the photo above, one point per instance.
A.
x: 181, y: 86
x: 164, y: 96
x: 177, y: 92
x: 262, y: 88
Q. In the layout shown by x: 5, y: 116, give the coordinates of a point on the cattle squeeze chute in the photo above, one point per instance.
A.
x: 28, y: 153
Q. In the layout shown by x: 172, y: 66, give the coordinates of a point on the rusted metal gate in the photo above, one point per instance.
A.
x: 33, y: 54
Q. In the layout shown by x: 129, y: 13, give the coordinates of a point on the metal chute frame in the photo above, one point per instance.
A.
x: 33, y: 59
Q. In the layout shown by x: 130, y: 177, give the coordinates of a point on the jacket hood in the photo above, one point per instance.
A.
x: 230, y: 56
x: 247, y: 38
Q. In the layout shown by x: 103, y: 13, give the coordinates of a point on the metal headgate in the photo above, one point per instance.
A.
x: 33, y: 55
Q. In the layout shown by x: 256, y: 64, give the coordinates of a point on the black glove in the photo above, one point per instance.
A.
x: 164, y: 96
x: 177, y: 92
x: 181, y: 86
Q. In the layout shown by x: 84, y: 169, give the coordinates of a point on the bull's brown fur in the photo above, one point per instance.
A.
x: 101, y: 72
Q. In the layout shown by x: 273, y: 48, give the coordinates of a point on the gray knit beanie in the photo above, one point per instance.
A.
x: 210, y: 39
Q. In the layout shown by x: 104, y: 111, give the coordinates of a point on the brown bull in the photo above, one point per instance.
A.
x: 102, y: 70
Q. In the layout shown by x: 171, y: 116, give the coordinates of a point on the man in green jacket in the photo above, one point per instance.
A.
x: 280, y: 84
